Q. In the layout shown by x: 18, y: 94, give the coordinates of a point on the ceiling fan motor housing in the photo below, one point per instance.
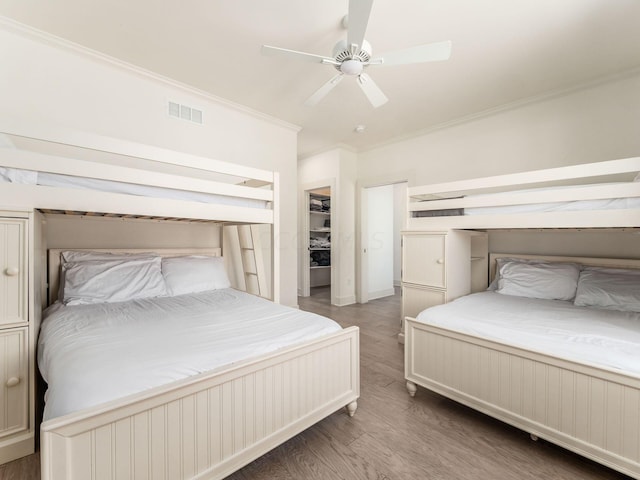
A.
x: 342, y: 54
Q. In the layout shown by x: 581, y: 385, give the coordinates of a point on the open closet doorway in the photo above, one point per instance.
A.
x: 318, y: 263
x: 382, y: 218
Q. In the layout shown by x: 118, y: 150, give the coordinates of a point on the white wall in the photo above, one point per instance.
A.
x: 607, y: 243
x: 589, y: 125
x: 74, y: 231
x: 380, y: 234
x: 47, y: 80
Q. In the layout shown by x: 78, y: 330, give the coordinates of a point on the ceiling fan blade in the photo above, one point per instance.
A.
x: 431, y: 52
x: 371, y: 90
x: 302, y: 56
x: 358, y: 20
x: 323, y: 90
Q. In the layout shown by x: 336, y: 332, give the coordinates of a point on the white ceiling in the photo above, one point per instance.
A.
x: 504, y: 51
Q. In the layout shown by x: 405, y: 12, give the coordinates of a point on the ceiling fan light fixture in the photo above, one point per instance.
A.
x: 351, y: 67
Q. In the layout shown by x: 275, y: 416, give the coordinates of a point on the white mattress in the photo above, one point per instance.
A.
x: 90, y: 354
x: 13, y: 175
x: 604, y: 338
x: 573, y: 206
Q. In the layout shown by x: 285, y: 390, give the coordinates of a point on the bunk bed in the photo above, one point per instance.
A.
x: 587, y: 403
x: 593, y: 195
x: 205, y: 425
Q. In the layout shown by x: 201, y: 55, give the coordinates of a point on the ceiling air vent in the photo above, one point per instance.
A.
x: 185, y: 112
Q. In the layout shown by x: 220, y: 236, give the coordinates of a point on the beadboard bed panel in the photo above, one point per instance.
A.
x: 591, y: 410
x: 210, y: 425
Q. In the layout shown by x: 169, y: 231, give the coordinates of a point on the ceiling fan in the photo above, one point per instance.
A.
x: 353, y: 55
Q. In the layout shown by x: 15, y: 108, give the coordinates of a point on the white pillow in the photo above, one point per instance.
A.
x: 75, y: 256
x: 194, y: 274
x: 552, y: 281
x: 499, y: 264
x: 502, y: 261
x: 96, y: 281
x: 609, y: 288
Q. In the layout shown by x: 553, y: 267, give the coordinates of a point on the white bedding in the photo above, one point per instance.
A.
x: 13, y: 175
x: 604, y: 338
x: 90, y: 354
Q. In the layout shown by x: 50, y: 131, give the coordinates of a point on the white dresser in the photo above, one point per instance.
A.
x: 20, y: 239
x: 439, y: 266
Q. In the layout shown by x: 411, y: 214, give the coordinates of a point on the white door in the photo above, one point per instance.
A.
x: 382, y: 218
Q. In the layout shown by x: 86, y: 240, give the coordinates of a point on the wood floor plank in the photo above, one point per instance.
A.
x: 393, y: 436
x: 267, y: 466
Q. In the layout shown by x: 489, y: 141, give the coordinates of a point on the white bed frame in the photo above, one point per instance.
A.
x: 598, y: 175
x: 212, y: 424
x: 591, y: 410
x: 209, y: 425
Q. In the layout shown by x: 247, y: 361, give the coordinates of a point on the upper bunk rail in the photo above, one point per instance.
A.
x: 514, y: 181
x: 595, y: 195
x: 122, y: 205
x: 87, y: 169
x: 99, y: 143
x: 567, y: 194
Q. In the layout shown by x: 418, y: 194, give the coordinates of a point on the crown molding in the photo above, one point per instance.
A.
x: 335, y: 146
x: 32, y: 33
x: 557, y: 93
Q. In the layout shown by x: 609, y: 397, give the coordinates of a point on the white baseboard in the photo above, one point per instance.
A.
x: 344, y: 301
x: 381, y: 293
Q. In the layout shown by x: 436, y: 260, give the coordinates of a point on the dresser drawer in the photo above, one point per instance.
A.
x: 14, y: 381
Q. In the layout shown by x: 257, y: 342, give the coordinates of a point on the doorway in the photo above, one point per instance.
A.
x: 318, y: 251
x: 382, y: 218
x: 319, y: 239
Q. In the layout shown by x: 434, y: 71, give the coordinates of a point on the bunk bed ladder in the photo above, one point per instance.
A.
x: 252, y: 261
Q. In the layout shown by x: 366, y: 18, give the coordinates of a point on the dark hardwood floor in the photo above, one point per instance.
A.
x: 393, y: 436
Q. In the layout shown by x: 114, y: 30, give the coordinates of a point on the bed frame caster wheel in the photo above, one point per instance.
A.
x: 412, y: 388
x: 351, y: 408
x: 533, y: 437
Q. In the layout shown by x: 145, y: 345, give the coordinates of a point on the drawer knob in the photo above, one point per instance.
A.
x: 12, y: 271
x: 13, y: 381
x: 440, y: 261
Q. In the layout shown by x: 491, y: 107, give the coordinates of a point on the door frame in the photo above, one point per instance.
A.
x: 304, y: 289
